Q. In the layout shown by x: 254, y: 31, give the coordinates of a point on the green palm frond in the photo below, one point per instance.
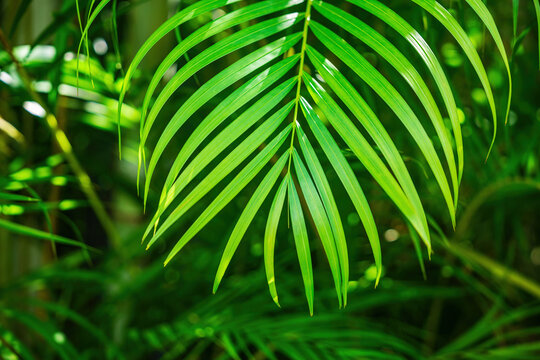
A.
x: 293, y: 108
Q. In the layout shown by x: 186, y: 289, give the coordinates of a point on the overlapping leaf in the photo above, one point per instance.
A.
x: 295, y: 36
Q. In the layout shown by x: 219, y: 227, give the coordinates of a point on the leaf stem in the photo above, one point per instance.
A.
x: 300, y: 74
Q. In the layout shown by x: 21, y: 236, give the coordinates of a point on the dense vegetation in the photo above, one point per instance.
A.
x: 373, y: 164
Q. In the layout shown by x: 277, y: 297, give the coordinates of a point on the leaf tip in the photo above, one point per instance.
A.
x: 216, y: 286
x: 377, y: 281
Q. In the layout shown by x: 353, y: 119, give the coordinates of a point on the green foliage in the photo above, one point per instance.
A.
x: 394, y: 178
x: 264, y: 127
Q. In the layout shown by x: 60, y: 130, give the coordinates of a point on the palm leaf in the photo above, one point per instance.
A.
x: 302, y: 242
x: 367, y: 155
x: 447, y: 20
x: 330, y: 206
x: 420, y: 45
x: 270, y: 236
x: 231, y: 133
x: 391, y: 54
x: 247, y: 216
x: 392, y: 98
x: 224, y: 140
x: 218, y: 83
x: 320, y: 219
x: 347, y: 177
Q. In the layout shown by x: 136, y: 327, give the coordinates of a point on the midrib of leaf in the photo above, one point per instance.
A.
x: 300, y: 73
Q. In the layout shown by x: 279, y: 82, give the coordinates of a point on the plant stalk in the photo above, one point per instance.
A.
x: 300, y: 74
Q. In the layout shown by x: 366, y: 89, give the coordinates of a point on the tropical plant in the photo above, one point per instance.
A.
x: 91, y: 291
x: 293, y: 78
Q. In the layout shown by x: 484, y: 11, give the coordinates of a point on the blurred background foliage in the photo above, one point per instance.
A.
x: 90, y: 291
